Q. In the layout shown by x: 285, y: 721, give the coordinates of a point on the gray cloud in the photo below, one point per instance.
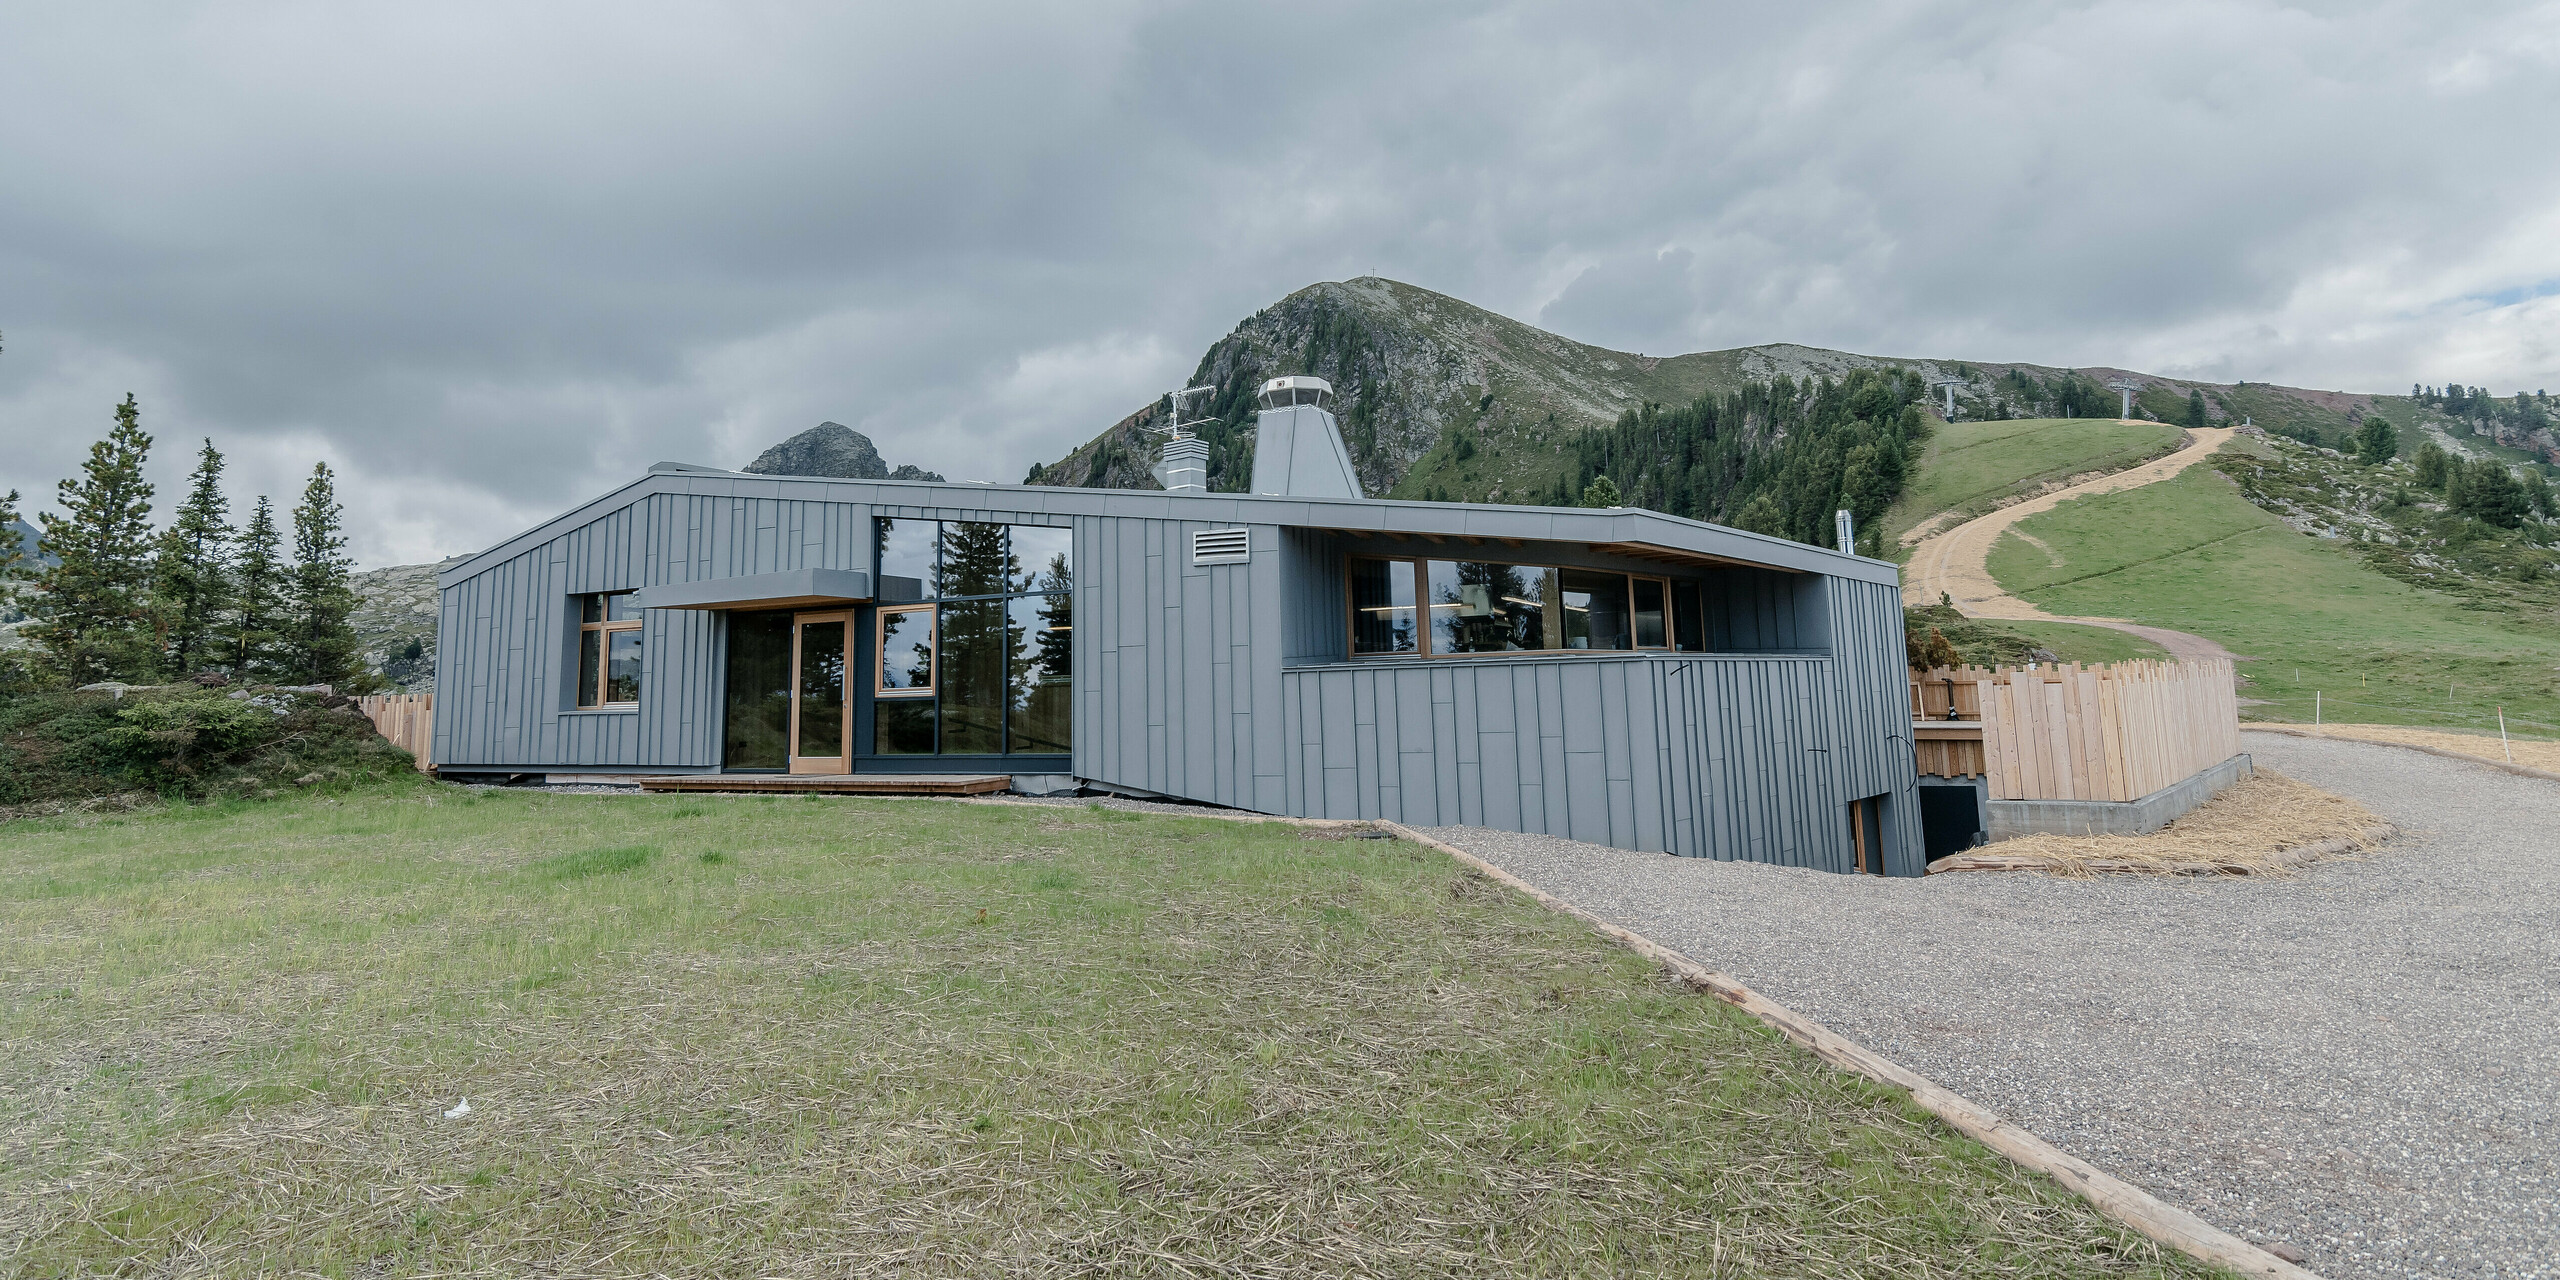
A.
x: 492, y: 259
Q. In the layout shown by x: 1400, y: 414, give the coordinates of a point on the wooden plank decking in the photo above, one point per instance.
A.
x: 840, y: 784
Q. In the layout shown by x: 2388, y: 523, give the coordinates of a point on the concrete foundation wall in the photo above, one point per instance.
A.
x: 2113, y: 818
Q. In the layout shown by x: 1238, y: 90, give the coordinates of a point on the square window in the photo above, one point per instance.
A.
x: 1046, y: 557
x: 902, y: 727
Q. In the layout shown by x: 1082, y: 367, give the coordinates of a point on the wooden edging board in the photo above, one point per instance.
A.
x: 2112, y: 1196
x: 2521, y: 771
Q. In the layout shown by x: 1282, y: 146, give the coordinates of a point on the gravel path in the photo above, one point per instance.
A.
x: 2361, y: 1062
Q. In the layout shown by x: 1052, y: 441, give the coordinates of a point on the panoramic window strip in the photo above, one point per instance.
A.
x: 1446, y: 608
x: 609, y: 650
x: 987, y: 668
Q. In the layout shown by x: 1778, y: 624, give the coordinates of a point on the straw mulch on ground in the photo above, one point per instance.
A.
x: 2532, y: 753
x: 2268, y: 825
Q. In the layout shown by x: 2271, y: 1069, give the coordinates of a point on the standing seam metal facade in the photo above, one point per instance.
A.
x: 1228, y: 683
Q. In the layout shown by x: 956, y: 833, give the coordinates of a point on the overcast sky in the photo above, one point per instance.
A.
x: 490, y: 260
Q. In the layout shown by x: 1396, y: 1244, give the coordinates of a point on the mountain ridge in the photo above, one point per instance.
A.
x: 1415, y: 371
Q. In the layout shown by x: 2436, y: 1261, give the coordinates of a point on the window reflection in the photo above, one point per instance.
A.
x: 989, y: 671
x: 1043, y: 681
x: 906, y: 651
x: 1479, y: 606
x: 1382, y: 612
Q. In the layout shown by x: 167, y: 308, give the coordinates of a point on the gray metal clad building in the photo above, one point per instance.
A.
x: 1619, y: 676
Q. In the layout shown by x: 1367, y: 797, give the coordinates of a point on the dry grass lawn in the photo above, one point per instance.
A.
x: 2267, y: 825
x: 2532, y: 753
x: 831, y: 1037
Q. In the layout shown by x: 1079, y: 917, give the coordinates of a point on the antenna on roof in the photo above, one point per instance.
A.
x: 1949, y: 386
x: 1184, y: 465
x: 2127, y: 386
x: 1175, y: 402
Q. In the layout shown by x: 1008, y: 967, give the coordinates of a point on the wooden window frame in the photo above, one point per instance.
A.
x: 604, y: 648
x: 1670, y: 624
x: 880, y: 649
x: 1421, y: 569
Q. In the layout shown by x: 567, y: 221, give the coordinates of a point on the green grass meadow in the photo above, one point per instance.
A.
x: 798, y: 1036
x: 1968, y: 466
x: 2192, y: 554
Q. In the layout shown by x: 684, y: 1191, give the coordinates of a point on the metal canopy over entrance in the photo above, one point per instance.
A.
x: 796, y: 589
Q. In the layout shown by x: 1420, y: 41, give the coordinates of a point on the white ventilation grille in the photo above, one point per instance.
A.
x: 1221, y: 546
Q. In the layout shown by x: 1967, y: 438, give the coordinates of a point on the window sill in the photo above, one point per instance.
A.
x: 624, y: 709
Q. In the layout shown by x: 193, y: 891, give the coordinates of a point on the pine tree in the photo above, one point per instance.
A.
x: 93, y: 616
x: 2196, y: 413
x: 257, y: 606
x: 2538, y: 495
x: 13, y: 555
x: 2433, y: 465
x: 2376, y: 442
x: 2490, y: 494
x: 193, y: 577
x: 1601, y: 492
x: 319, y: 647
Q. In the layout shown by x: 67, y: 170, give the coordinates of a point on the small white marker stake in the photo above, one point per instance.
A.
x: 2503, y: 744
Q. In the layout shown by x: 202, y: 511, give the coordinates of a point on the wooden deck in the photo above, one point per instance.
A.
x: 837, y: 784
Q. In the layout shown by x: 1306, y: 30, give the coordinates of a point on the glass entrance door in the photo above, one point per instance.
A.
x: 819, y: 723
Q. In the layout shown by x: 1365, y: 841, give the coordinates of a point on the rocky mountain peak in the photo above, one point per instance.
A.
x: 832, y: 449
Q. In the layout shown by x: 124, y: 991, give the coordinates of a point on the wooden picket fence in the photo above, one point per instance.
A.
x: 2071, y: 732
x: 407, y: 719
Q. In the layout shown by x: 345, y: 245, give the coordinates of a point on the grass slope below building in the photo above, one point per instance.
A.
x: 763, y: 1036
x: 2193, y: 554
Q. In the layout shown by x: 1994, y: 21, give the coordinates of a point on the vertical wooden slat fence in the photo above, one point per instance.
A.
x: 407, y: 719
x: 2071, y: 732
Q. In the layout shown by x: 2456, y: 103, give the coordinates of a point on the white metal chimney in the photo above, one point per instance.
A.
x: 1297, y: 445
x: 1183, y: 465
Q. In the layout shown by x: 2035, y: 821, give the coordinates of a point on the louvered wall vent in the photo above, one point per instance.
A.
x: 1221, y: 546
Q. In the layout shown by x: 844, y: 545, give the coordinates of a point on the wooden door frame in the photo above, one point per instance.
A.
x: 842, y: 761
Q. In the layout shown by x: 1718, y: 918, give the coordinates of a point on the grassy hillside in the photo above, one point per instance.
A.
x: 2193, y: 554
x: 1968, y: 467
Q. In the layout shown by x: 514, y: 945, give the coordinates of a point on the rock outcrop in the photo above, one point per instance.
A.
x: 832, y: 449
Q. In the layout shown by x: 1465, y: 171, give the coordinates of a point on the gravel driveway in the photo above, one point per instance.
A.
x: 2360, y: 1062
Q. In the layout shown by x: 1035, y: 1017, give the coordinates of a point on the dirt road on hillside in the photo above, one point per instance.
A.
x: 1952, y: 561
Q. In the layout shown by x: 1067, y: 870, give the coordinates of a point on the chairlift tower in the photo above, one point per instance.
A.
x: 1184, y: 464
x: 2127, y: 386
x: 1949, y: 386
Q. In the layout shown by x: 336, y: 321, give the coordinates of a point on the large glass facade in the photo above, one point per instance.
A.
x: 1473, y: 606
x: 987, y: 668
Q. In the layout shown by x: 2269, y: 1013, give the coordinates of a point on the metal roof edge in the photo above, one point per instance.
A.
x: 1461, y: 519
